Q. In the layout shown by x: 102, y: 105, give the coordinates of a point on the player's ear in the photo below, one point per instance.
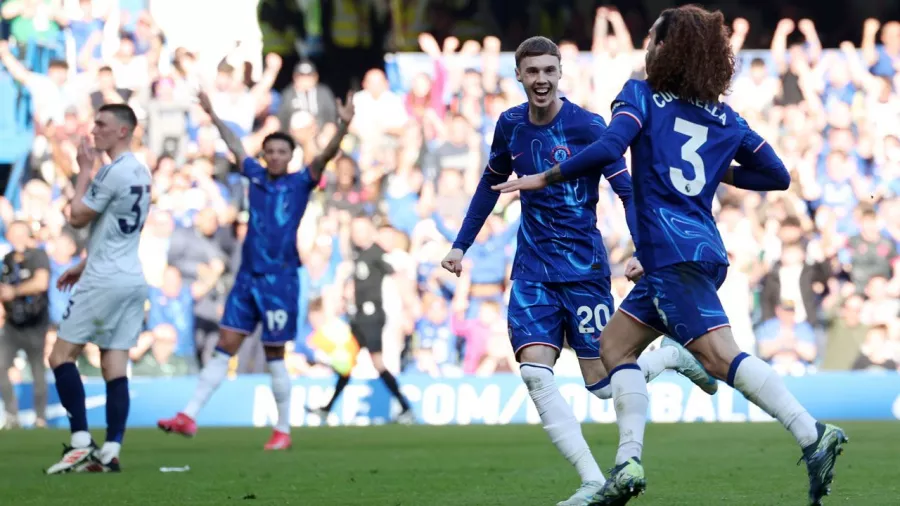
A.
x: 518, y: 75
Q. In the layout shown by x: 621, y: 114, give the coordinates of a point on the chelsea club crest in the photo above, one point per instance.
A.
x: 560, y: 154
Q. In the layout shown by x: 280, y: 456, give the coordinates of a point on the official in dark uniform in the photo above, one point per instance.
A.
x: 367, y: 316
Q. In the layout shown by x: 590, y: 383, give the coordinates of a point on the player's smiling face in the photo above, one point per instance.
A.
x: 539, y: 76
x: 277, y: 154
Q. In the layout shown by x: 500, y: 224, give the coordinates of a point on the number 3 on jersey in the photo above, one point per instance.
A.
x: 697, y: 137
x: 600, y: 314
x: 130, y: 228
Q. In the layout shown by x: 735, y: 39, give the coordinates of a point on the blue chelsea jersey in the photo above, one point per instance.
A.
x: 678, y: 159
x: 558, y: 239
x: 276, y: 208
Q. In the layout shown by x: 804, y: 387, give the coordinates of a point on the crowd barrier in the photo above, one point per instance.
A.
x: 500, y: 399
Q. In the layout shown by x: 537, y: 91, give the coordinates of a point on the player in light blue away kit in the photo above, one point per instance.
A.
x: 107, y: 303
x: 683, y: 141
x: 561, y: 272
x: 267, y: 287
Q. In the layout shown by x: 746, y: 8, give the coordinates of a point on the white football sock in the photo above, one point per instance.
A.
x: 559, y: 422
x: 762, y: 386
x: 631, y: 401
x: 601, y: 389
x: 654, y: 362
x: 281, y: 389
x: 109, y: 451
x: 210, y: 378
x: 81, y: 439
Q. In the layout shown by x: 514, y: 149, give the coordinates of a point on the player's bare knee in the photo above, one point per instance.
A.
x: 377, y: 361
x: 230, y: 341
x: 114, y: 364
x: 538, y: 354
x: 63, y: 352
x: 623, y: 340
x: 715, y: 350
x: 592, y: 371
x: 274, y: 352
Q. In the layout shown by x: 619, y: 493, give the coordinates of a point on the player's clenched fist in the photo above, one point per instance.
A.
x: 453, y: 262
x: 634, y: 270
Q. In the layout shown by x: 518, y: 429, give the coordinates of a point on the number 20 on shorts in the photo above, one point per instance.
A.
x: 599, y: 314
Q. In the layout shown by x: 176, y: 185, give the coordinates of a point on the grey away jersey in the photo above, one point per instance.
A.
x: 121, y: 195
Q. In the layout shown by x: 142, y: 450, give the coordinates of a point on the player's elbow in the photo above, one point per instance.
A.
x: 782, y: 179
x: 80, y: 215
x: 78, y: 219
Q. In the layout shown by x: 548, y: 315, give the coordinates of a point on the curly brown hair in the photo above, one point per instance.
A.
x: 693, y: 59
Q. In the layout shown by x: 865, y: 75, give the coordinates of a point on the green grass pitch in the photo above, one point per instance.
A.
x: 686, y: 464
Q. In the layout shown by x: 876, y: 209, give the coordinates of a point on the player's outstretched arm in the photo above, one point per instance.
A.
x: 231, y: 139
x: 345, y: 112
x: 760, y: 170
x: 608, y: 148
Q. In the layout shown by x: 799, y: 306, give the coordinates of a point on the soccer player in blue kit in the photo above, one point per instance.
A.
x: 683, y: 141
x: 267, y: 286
x: 561, y: 271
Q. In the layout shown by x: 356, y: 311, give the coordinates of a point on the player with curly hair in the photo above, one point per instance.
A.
x: 683, y: 141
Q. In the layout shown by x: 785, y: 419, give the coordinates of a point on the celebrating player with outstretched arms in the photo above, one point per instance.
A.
x: 267, y: 287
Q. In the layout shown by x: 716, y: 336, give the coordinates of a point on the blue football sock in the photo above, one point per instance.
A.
x: 117, y: 403
x: 71, y: 395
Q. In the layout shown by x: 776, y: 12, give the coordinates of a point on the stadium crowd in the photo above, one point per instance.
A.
x: 815, y: 275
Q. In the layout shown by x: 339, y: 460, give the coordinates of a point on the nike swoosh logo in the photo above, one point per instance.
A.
x: 516, y: 156
x: 28, y: 416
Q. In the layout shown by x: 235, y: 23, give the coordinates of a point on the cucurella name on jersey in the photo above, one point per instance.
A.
x: 663, y: 98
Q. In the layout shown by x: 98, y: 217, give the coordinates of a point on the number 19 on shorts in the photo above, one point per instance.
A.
x: 598, y: 317
x: 276, y: 320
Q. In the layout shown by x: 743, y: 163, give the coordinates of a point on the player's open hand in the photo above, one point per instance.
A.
x: 526, y: 183
x: 68, y: 279
x: 453, y: 262
x: 345, y: 109
x: 86, y: 155
x: 634, y: 270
